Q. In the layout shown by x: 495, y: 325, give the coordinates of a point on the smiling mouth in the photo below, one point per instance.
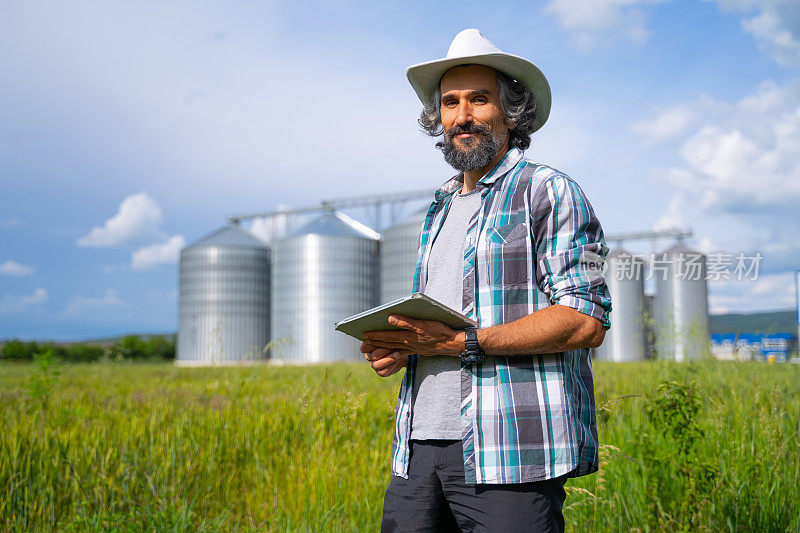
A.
x: 466, y: 135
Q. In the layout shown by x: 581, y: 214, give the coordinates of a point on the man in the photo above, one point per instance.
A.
x: 492, y: 421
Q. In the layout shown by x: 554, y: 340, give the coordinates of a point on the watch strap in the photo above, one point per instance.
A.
x: 472, y: 350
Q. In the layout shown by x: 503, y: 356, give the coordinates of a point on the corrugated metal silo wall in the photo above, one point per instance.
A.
x: 224, y: 308
x: 681, y: 306
x: 399, y: 251
x: 317, y: 281
x: 626, y: 339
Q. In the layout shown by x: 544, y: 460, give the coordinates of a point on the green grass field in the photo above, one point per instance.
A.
x: 132, y: 447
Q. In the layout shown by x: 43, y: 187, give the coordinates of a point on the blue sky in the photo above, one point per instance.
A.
x: 129, y: 129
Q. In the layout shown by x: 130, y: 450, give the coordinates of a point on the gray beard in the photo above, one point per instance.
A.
x: 475, y: 157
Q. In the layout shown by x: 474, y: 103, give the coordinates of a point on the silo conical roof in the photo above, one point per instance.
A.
x: 335, y: 223
x: 230, y: 235
x: 681, y: 248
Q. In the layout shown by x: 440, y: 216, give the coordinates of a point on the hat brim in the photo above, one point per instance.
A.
x: 425, y: 77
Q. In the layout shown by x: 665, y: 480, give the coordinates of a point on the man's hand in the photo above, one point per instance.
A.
x: 425, y: 337
x: 384, y: 361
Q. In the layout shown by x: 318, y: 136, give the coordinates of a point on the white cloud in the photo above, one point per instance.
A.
x: 221, y: 110
x: 667, y: 126
x: 741, y: 157
x: 767, y: 293
x: 269, y: 229
x: 774, y: 23
x: 158, y: 254
x: 138, y: 219
x: 9, y: 222
x: 782, y: 251
x: 592, y: 22
x: 707, y: 246
x: 730, y: 5
x: 15, y: 304
x: 263, y: 228
x: 672, y: 218
x: 735, y: 179
x: 12, y: 268
x: 81, y: 305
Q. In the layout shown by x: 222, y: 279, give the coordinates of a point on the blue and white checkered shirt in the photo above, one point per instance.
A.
x: 524, y: 417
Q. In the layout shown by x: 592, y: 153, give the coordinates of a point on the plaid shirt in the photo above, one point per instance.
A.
x: 524, y: 417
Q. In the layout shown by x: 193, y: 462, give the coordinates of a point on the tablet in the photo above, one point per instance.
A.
x: 416, y: 306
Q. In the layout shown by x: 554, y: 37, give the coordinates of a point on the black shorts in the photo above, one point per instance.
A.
x: 435, y: 498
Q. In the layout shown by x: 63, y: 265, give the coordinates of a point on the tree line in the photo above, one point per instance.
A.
x: 130, y: 347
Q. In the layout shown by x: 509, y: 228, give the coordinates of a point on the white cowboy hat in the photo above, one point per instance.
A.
x: 469, y: 47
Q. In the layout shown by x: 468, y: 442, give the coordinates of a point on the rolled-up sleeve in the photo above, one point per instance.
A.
x: 570, y: 251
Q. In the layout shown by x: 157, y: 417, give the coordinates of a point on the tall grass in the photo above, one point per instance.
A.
x: 129, y: 447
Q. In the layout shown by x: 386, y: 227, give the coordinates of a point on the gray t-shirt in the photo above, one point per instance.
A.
x: 437, y: 384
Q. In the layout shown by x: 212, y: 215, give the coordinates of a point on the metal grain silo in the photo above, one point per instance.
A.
x: 626, y: 339
x: 322, y: 273
x: 681, y: 303
x: 399, y: 252
x: 224, y: 311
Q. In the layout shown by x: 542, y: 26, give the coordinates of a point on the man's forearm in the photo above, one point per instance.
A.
x: 556, y: 328
x: 553, y: 329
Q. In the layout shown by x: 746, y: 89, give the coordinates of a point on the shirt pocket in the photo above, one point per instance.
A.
x: 508, y: 257
x: 508, y: 233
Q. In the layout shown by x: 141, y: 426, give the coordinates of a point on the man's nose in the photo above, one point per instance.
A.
x: 464, y: 114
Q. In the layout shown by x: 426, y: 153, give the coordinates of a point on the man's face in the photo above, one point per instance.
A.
x: 473, y: 121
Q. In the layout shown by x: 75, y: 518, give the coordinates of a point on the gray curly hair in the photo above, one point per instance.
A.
x: 516, y: 101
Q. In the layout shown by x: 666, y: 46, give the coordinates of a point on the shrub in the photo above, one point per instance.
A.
x: 17, y: 350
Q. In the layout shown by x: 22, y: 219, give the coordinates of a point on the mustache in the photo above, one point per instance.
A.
x: 469, y: 127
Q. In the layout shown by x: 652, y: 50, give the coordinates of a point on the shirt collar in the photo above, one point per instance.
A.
x: 508, y: 162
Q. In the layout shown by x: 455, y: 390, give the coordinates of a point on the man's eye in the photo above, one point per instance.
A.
x: 479, y: 100
x: 449, y: 103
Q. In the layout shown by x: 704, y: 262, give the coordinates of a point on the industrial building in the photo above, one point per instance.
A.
x: 399, y: 253
x: 671, y: 323
x: 224, y: 301
x: 681, y: 304
x: 245, y: 299
x: 627, y: 338
x: 323, y: 272
x: 776, y: 347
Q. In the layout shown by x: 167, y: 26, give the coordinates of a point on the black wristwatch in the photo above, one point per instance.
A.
x: 472, y: 351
